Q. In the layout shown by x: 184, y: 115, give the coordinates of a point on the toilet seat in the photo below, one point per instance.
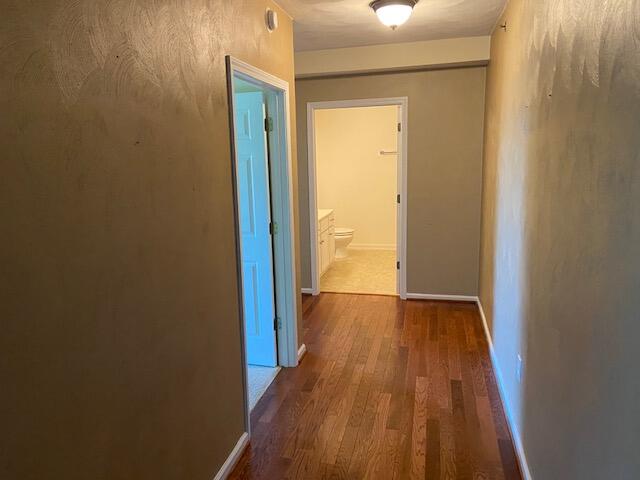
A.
x: 343, y: 232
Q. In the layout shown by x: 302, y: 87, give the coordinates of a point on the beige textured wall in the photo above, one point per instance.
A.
x: 446, y: 109
x: 120, y: 332
x: 560, y: 270
x: 353, y: 179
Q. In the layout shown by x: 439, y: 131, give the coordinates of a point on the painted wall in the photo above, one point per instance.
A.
x: 560, y: 262
x: 446, y: 112
x: 393, y: 56
x: 351, y: 175
x: 118, y: 292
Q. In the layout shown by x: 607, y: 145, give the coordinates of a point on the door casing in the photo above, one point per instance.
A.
x: 401, y: 232
x: 280, y: 152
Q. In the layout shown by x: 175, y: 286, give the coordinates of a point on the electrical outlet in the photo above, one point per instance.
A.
x: 519, y: 369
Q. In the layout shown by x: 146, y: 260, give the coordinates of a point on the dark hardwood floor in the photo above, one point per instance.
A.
x: 389, y: 389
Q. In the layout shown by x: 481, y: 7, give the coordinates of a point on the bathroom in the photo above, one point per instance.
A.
x: 356, y: 180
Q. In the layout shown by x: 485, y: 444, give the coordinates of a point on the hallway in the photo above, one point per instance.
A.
x: 388, y: 389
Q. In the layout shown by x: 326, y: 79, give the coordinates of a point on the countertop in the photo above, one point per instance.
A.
x: 323, y: 212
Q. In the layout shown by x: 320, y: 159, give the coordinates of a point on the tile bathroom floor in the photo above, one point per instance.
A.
x: 363, y: 271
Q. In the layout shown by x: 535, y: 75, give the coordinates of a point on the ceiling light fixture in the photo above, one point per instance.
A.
x: 393, y: 13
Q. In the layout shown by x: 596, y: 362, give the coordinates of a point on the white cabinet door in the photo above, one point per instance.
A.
x: 324, y: 251
x: 332, y: 246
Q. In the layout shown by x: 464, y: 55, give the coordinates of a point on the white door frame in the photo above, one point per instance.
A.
x: 403, y: 103
x: 282, y: 208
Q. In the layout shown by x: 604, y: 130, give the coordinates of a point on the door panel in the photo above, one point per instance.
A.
x: 255, y: 216
x: 246, y: 189
x: 251, y: 298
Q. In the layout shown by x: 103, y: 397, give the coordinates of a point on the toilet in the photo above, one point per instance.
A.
x: 343, y: 237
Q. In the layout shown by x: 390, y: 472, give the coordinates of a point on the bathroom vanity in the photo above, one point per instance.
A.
x: 326, y: 239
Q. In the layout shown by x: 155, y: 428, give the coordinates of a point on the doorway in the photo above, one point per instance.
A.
x: 357, y: 185
x: 261, y: 166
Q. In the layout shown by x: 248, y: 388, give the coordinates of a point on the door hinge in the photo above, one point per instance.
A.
x: 268, y: 124
x: 273, y: 228
x: 398, y: 198
x: 399, y: 127
x: 277, y: 324
x: 270, y: 228
x: 397, y: 265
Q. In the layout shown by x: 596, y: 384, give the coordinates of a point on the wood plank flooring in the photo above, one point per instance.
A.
x: 389, y: 389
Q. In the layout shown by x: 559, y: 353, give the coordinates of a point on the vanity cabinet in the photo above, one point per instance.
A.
x: 326, y: 240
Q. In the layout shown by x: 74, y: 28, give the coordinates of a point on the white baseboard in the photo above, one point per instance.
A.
x: 307, y: 291
x: 301, y: 351
x: 453, y: 298
x: 232, y: 459
x: 515, y: 433
x: 371, y: 246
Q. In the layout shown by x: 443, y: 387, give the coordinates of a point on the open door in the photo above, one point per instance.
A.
x: 255, y: 219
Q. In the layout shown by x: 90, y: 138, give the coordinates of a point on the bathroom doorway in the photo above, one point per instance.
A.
x: 357, y: 180
x: 261, y: 161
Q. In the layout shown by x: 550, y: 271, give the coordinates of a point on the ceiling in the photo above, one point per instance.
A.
x: 320, y: 24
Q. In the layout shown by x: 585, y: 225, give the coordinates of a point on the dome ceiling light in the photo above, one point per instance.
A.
x: 393, y: 13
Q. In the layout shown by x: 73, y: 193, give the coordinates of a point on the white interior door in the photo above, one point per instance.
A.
x: 255, y: 217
